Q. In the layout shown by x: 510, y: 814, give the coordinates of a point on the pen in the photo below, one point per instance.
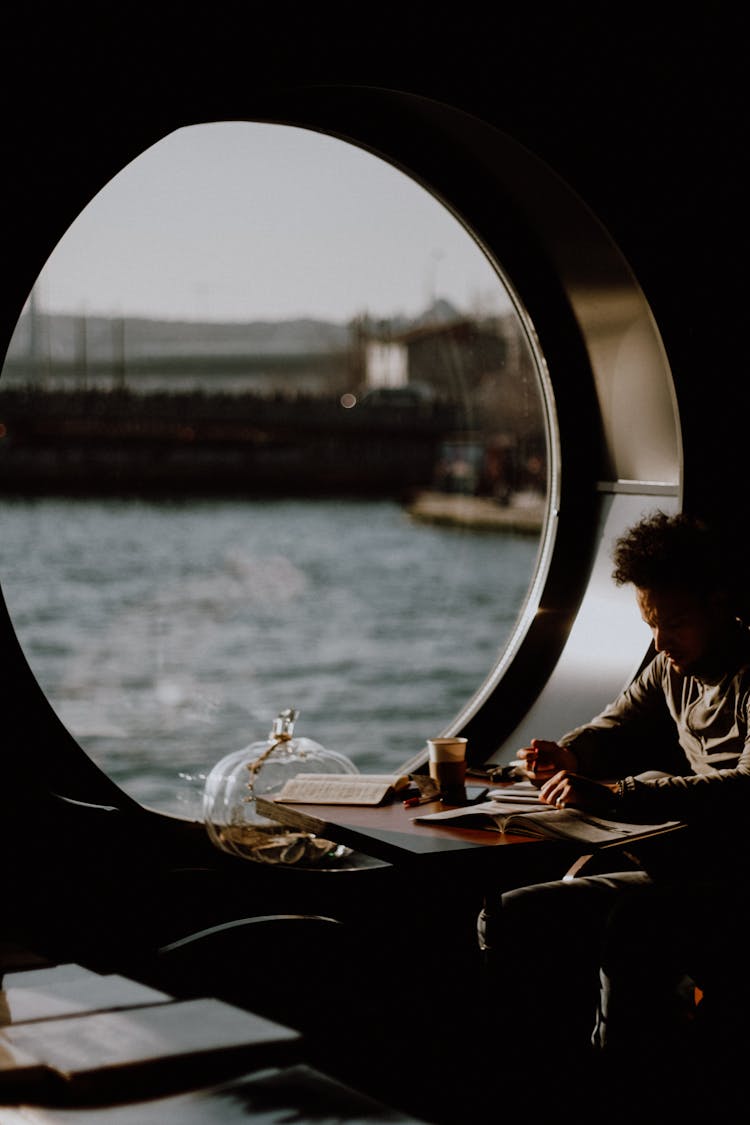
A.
x: 412, y: 801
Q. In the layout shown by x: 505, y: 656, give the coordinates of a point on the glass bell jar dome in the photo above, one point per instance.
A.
x: 260, y: 770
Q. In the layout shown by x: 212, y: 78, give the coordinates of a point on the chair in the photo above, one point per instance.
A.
x: 603, y: 860
x: 288, y: 967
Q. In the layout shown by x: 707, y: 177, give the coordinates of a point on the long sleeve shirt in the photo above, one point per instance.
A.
x: 706, y: 720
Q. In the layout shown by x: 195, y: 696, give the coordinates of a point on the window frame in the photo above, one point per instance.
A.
x: 597, y: 345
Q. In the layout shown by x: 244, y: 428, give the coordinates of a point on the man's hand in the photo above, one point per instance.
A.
x: 542, y: 760
x: 567, y: 788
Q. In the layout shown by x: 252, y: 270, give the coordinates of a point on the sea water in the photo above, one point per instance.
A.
x: 167, y: 634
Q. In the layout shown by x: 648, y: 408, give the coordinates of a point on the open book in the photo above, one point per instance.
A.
x: 96, y: 1052
x: 66, y: 990
x: 270, y: 1096
x: 520, y: 815
x: 341, y: 788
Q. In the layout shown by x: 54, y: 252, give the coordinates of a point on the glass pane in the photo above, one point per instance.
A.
x: 273, y: 436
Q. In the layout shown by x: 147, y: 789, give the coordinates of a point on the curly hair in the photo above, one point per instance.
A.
x: 664, y: 551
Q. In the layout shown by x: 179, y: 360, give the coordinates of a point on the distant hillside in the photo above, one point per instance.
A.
x: 60, y: 337
x: 64, y: 338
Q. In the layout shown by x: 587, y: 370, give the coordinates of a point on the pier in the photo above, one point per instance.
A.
x: 524, y: 513
x: 110, y: 442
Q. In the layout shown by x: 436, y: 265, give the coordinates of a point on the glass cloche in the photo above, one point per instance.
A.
x: 261, y: 769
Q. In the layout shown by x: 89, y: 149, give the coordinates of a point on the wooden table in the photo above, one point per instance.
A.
x: 390, y: 832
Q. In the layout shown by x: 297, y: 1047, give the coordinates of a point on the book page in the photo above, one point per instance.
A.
x: 369, y: 778
x: 526, y: 819
x: 78, y: 1044
x: 572, y: 824
x: 273, y: 1096
x: 27, y: 1115
x: 487, y: 814
x: 353, y: 791
x: 517, y: 799
x: 67, y: 989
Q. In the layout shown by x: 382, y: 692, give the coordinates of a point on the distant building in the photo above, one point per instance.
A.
x: 454, y: 358
x: 386, y: 364
x: 60, y: 350
x: 484, y: 366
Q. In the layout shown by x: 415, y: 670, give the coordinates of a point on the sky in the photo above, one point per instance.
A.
x: 249, y: 221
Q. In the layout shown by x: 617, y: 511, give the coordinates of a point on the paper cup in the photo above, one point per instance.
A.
x: 447, y: 758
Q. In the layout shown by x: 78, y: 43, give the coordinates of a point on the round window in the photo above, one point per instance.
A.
x: 275, y: 435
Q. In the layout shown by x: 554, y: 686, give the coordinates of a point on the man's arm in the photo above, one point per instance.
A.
x: 636, y: 732
x: 542, y: 759
x: 718, y: 784
x: 633, y: 733
x: 689, y: 796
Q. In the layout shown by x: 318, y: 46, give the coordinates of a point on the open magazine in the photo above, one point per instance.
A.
x: 517, y: 811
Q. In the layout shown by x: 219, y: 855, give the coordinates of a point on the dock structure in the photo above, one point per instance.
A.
x: 525, y: 515
x: 106, y: 442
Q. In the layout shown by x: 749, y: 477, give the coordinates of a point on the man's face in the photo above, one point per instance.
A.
x: 685, y: 627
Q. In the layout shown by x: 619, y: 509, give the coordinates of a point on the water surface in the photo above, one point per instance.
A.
x: 168, y: 634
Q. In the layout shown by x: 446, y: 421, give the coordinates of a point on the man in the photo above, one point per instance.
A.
x: 615, y: 957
